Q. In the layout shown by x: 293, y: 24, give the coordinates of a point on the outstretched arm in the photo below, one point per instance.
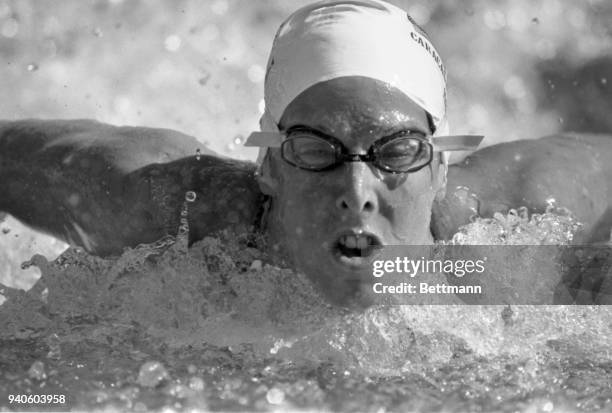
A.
x: 574, y: 170
x: 105, y: 187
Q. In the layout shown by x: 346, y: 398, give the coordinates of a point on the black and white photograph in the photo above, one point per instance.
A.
x: 306, y: 206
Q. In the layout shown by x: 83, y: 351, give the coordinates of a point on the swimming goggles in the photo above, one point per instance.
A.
x: 403, y: 152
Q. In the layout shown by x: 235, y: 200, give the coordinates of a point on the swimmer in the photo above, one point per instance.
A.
x: 353, y: 144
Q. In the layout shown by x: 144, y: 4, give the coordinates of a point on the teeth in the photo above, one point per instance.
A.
x: 362, y: 243
x: 350, y: 241
x: 355, y: 241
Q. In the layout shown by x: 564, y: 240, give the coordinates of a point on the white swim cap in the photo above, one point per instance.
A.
x: 330, y: 39
x: 336, y: 38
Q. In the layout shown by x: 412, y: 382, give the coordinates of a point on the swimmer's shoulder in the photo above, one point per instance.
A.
x: 125, y: 147
x: 571, y: 169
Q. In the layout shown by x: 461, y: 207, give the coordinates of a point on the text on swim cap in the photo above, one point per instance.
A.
x: 430, y: 49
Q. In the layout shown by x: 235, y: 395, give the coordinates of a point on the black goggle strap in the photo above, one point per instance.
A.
x: 440, y: 143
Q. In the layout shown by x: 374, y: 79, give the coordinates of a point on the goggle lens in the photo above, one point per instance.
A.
x: 309, y: 152
x: 394, y: 154
x: 403, y: 154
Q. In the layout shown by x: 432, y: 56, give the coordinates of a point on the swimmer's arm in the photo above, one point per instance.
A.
x: 105, y: 188
x: 571, y: 169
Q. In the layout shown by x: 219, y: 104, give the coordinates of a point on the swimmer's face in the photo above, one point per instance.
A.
x: 323, y: 221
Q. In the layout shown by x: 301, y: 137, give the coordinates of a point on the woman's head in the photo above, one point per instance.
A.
x: 351, y: 73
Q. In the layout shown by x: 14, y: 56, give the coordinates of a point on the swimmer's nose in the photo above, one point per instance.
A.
x: 357, y: 194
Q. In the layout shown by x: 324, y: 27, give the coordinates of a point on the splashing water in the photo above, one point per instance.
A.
x: 214, y: 326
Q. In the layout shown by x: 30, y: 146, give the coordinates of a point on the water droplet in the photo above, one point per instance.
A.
x: 561, y: 120
x: 604, y: 81
x: 198, y: 154
x: 275, y: 396
x: 256, y: 73
x: 97, y: 32
x: 37, y: 371
x: 238, y: 139
x: 53, y: 342
x: 535, y: 20
x: 32, y: 67
x: 548, y: 407
x: 231, y: 146
x: 172, y: 43
x: 261, y: 106
x: 196, y: 384
x: 190, y: 196
x: 6, y: 230
x: 152, y: 373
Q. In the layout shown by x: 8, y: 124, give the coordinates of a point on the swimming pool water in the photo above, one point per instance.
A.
x: 216, y: 327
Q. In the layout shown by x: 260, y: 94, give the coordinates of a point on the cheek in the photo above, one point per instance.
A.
x: 408, y: 203
x: 306, y: 201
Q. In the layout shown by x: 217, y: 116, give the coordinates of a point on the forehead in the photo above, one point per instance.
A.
x: 355, y: 106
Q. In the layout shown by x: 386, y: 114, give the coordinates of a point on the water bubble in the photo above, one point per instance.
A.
x: 548, y: 407
x: 190, y: 196
x: 261, y: 106
x: 238, y: 139
x: 37, y: 371
x: 198, y: 154
x: 152, y: 373
x: 256, y: 73
x: 32, y: 67
x: 97, y: 32
x: 604, y: 81
x: 230, y: 146
x: 6, y: 230
x: 256, y: 265
x: 535, y: 20
x: 44, y: 295
x: 172, y: 43
x: 275, y: 396
x: 53, y: 342
x: 196, y: 383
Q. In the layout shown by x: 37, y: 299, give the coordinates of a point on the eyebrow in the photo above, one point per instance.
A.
x: 396, y: 129
x: 382, y: 131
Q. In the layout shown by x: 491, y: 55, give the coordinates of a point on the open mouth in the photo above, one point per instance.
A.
x: 352, y: 247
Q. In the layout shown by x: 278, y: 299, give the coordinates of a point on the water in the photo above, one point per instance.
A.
x: 216, y: 327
